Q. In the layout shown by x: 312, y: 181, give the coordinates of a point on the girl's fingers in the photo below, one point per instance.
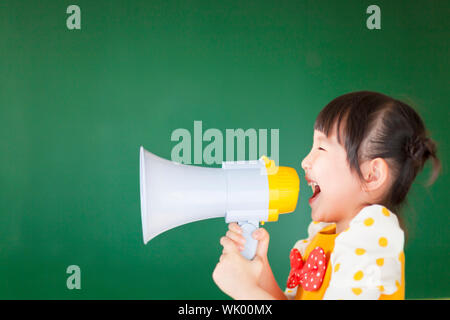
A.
x: 262, y: 235
x: 235, y: 233
x: 230, y: 245
x: 235, y: 227
x: 236, y: 237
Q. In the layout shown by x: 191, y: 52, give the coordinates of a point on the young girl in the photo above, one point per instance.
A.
x: 367, y: 150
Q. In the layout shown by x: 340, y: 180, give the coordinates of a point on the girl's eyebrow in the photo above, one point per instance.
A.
x: 324, y: 139
x: 321, y: 137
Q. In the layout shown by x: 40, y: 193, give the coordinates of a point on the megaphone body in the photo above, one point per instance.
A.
x: 246, y: 192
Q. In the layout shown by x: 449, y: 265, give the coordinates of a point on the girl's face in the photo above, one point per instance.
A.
x: 337, y: 193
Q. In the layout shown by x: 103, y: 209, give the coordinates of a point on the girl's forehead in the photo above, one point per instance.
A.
x: 319, y: 135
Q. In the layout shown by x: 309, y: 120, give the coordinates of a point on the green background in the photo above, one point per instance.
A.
x: 75, y: 105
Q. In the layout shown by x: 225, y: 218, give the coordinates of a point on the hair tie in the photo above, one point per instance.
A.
x: 414, y: 148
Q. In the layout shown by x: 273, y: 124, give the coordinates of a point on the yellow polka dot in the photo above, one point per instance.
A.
x: 368, y: 222
x: 316, y: 222
x: 358, y: 275
x: 360, y: 251
x: 357, y: 291
x: 305, y: 241
x: 385, y: 211
x: 381, y: 288
x: 336, y: 267
x: 380, y: 262
x: 382, y: 242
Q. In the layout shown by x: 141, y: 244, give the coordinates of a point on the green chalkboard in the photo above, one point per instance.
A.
x: 76, y: 104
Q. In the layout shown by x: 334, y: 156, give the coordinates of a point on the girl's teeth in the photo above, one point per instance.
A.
x: 312, y: 185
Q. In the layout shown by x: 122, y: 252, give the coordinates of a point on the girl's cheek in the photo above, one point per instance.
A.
x: 326, y: 171
x: 336, y: 181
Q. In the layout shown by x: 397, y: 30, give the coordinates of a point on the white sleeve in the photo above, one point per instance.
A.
x: 366, y: 257
x: 301, y: 245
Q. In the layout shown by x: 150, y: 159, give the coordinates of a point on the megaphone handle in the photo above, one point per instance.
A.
x: 250, y: 243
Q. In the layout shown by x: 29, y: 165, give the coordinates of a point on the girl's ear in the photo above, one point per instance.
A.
x: 376, y: 174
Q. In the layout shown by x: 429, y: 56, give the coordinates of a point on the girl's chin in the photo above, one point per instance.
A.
x: 316, y: 216
x: 319, y: 215
x: 315, y: 211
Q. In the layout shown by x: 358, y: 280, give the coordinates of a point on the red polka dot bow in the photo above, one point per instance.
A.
x: 310, y: 274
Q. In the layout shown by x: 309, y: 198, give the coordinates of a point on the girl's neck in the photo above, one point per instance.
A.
x: 343, y: 224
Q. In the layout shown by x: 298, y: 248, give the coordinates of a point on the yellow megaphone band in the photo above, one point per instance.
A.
x: 284, y: 187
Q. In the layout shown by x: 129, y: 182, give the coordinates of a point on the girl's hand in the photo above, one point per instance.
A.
x: 235, y: 275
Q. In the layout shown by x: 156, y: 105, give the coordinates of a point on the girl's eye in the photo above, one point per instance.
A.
x: 322, y: 149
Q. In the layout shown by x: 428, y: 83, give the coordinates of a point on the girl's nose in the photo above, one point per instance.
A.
x: 306, y: 163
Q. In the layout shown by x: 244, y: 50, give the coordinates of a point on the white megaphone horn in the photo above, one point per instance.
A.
x: 247, y: 192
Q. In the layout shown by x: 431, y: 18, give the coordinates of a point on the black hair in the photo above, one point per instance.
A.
x: 373, y: 125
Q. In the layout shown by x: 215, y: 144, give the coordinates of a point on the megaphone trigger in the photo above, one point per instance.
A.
x: 248, y: 227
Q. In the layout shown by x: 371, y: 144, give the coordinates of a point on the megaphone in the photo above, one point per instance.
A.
x: 246, y: 192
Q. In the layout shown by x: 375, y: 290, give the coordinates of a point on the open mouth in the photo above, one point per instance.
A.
x: 316, y: 190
